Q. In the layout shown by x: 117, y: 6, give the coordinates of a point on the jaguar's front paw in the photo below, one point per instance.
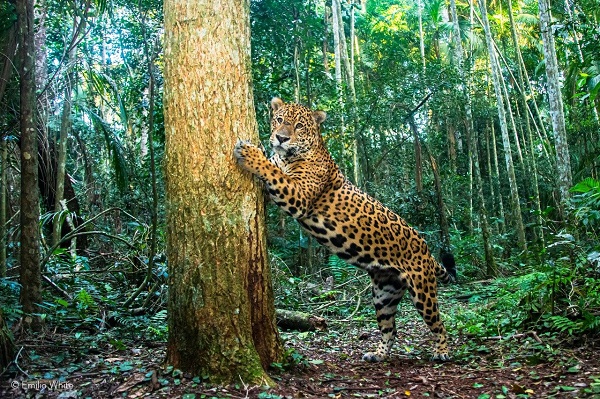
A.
x: 245, y: 152
x: 372, y: 357
x: 240, y: 151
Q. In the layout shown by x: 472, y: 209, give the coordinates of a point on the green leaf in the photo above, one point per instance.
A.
x: 126, y: 366
x: 566, y: 388
x: 62, y: 302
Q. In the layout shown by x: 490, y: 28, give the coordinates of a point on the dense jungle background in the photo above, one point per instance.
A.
x: 477, y: 123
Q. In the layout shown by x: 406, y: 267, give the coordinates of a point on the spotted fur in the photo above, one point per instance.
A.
x: 303, y: 180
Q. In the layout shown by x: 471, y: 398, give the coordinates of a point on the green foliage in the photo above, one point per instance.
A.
x: 338, y: 268
x: 586, y: 202
x: 291, y: 359
x: 561, y: 295
x: 554, y: 288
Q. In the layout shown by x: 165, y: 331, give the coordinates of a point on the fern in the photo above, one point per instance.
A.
x: 160, y: 317
x: 590, y: 322
x: 339, y: 268
x: 85, y: 300
x: 564, y: 324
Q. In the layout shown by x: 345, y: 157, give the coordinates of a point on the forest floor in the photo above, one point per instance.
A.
x: 327, y: 364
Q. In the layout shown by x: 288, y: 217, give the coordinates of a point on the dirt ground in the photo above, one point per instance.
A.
x: 328, y: 365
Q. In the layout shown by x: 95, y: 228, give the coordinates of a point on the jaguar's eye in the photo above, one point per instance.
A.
x: 279, y: 120
x: 299, y: 125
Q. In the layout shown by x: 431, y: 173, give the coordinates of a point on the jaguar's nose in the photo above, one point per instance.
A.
x: 281, y: 139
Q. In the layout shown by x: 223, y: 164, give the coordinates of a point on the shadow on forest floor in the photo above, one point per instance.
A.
x: 327, y: 365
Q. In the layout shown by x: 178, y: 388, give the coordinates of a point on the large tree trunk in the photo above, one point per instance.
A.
x: 30, y: 277
x: 221, y: 311
x: 563, y: 159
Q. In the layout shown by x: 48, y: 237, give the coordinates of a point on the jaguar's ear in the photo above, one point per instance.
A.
x: 319, y: 116
x: 276, y: 103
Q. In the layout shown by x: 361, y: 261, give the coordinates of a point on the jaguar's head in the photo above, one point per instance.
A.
x: 294, y: 128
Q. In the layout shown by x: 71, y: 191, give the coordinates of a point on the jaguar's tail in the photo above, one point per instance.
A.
x: 447, y: 269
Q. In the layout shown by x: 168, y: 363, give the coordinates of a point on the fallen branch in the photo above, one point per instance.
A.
x: 301, y: 321
x: 531, y: 334
x: 62, y: 292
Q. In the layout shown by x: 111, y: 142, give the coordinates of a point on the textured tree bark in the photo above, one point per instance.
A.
x: 538, y: 231
x: 221, y: 311
x: 563, y: 159
x: 512, y: 180
x: 473, y: 147
x: 496, y: 178
x: 61, y: 149
x: 3, y: 194
x: 30, y: 277
x: 441, y: 206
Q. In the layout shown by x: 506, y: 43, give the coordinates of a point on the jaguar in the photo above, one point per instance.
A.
x: 305, y: 182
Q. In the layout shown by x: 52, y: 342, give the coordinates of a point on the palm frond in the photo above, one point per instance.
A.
x: 115, y: 149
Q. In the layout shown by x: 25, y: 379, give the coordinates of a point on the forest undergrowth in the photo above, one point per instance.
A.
x: 532, y: 331
x: 527, y: 335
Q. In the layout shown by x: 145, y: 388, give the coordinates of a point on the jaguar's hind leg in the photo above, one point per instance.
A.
x: 423, y: 291
x: 387, y: 293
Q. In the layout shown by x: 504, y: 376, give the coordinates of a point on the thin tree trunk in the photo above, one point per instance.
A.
x: 494, y: 197
x: 337, y: 54
x: 575, y: 36
x: 441, y: 206
x: 325, y: 46
x: 497, y: 179
x: 421, y: 34
x: 471, y: 193
x: 563, y: 159
x: 513, y: 125
x: 346, y: 66
x: 296, y: 19
x: 496, y: 78
x: 9, y: 49
x: 418, y: 162
x: 61, y: 149
x: 154, y: 207
x: 451, y: 139
x: 3, y: 195
x: 221, y: 310
x: 491, y: 269
x: 351, y: 72
x: 30, y: 274
x: 538, y: 230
